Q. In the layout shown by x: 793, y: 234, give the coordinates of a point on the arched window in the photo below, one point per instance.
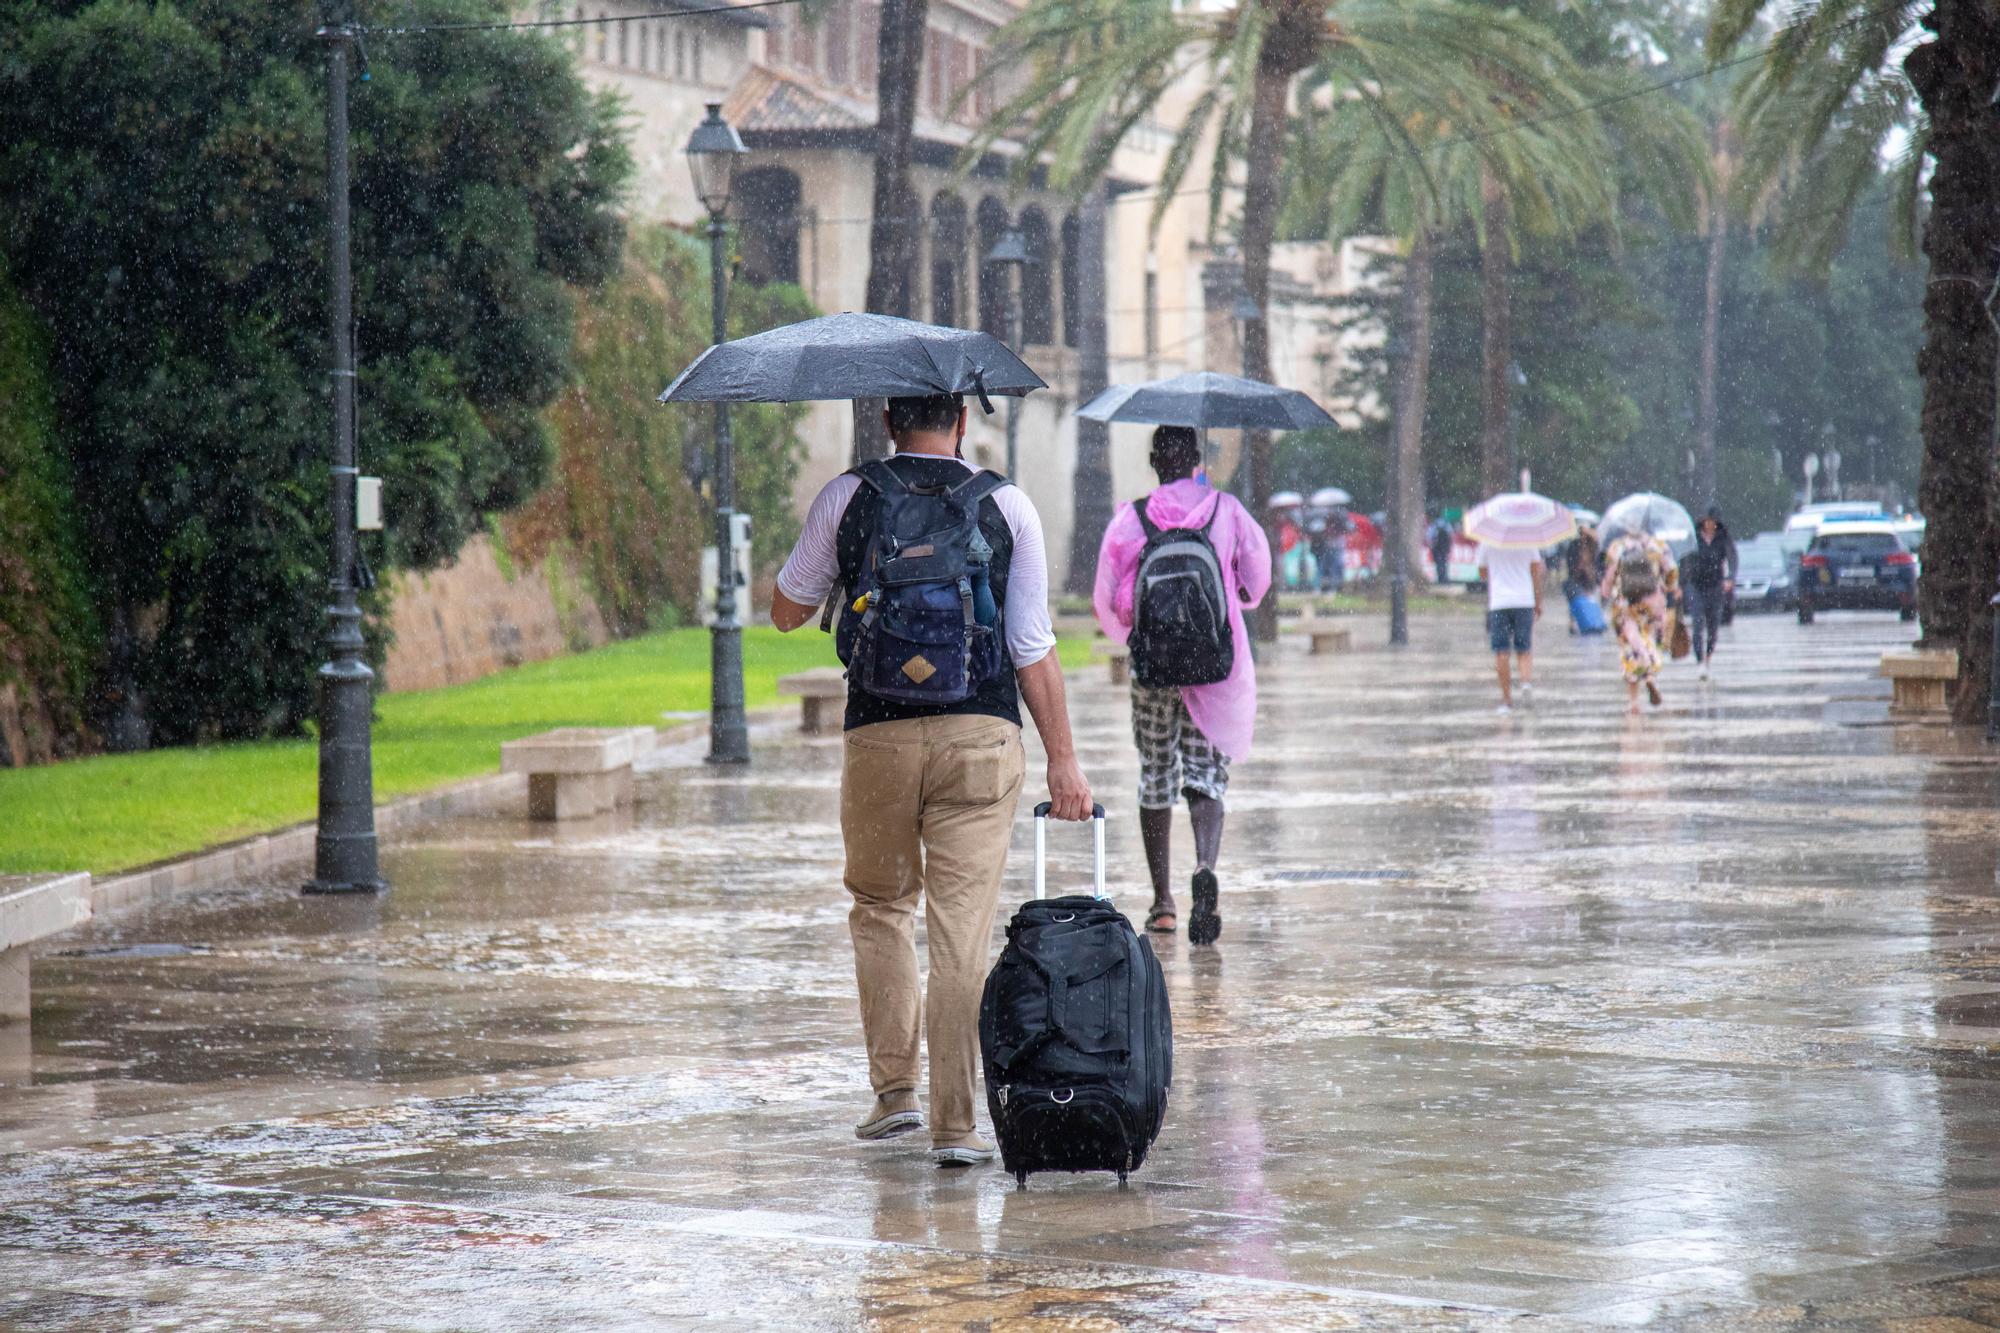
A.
x: 603, y: 38
x: 1038, y: 306
x: 767, y: 202
x: 947, y: 257
x: 1072, y: 286
x: 624, y: 43
x: 991, y: 222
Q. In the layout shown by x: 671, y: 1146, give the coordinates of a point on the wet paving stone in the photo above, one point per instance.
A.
x: 1551, y: 1021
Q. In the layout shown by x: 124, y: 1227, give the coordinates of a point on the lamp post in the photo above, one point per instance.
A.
x: 344, y: 850
x: 1010, y: 253
x: 712, y: 151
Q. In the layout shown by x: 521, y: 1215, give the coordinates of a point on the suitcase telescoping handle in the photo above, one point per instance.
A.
x: 1042, y: 849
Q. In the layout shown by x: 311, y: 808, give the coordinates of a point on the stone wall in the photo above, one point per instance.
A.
x: 481, y: 614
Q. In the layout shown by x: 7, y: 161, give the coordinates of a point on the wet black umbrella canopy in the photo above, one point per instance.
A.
x: 853, y: 356
x: 1207, y: 399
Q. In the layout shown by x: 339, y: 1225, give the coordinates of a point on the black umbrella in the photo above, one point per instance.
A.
x: 853, y: 356
x: 1204, y: 399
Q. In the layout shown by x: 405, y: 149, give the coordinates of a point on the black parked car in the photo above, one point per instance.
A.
x: 1764, y: 577
x: 1859, y: 566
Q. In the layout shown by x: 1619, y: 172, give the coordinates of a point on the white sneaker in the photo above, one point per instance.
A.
x: 1526, y: 691
x: 1503, y: 710
x: 1704, y: 671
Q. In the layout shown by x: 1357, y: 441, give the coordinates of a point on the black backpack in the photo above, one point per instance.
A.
x: 920, y: 624
x: 1180, y: 607
x: 1076, y: 1035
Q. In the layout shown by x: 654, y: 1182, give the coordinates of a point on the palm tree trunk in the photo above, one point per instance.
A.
x: 1265, y: 154
x: 1406, y: 460
x: 893, y: 252
x: 1711, y: 320
x: 1090, y: 487
x: 1496, y: 467
x: 1954, y: 74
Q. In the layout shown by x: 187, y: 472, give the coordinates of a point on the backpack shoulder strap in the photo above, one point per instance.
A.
x: 979, y: 485
x: 1214, y: 512
x: 1146, y: 524
x: 877, y: 475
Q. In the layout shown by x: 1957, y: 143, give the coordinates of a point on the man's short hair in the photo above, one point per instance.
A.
x: 933, y: 412
x: 1176, y: 450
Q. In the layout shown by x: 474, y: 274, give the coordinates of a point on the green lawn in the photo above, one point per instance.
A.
x: 114, y: 812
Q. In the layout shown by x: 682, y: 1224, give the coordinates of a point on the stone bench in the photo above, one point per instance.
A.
x: 33, y: 907
x: 816, y: 689
x: 1323, y: 636
x: 1917, y: 680
x: 576, y: 772
x: 1118, y: 657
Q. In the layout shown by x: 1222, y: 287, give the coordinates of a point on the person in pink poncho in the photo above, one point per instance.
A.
x: 1187, y: 735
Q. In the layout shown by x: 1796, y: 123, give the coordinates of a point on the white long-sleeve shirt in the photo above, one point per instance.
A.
x: 814, y: 566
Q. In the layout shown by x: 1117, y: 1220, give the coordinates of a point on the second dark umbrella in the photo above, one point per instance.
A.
x: 1205, y: 399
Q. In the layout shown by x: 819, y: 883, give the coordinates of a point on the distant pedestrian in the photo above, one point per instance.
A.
x: 1708, y: 577
x: 1513, y: 604
x: 1581, y: 574
x: 1187, y: 735
x: 1639, y: 574
x: 1329, y: 544
x: 1441, y: 537
x: 928, y: 789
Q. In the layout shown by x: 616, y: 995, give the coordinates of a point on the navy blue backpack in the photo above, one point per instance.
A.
x: 920, y: 625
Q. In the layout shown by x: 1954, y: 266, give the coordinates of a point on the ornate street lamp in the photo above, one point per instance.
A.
x: 1010, y: 255
x: 344, y: 849
x: 712, y: 151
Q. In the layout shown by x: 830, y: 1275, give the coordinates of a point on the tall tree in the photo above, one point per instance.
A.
x: 162, y: 187
x: 894, y: 254
x: 1093, y: 70
x: 1816, y: 117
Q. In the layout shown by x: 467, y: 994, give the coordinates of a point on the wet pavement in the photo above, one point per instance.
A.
x: 1555, y: 1020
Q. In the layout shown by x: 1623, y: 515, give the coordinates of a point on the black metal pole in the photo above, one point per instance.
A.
x: 344, y: 853
x: 1396, y: 542
x: 1993, y: 675
x: 728, y: 737
x: 1014, y: 400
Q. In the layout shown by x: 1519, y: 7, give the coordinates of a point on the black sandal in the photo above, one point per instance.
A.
x: 1166, y: 914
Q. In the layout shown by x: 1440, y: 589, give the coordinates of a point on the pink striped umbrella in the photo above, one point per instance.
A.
x: 1520, y: 520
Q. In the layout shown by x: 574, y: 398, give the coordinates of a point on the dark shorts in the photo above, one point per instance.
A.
x: 1511, y: 630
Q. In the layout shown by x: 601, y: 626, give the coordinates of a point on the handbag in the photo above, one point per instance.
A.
x: 1679, y: 644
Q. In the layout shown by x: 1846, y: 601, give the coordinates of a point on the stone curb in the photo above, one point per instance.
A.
x: 259, y: 857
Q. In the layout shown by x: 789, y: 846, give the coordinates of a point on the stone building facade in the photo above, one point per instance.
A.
x: 798, y: 86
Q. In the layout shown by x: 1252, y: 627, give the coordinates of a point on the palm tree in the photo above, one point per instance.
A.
x: 893, y: 251
x: 1819, y: 113
x: 1373, y: 158
x: 1095, y: 69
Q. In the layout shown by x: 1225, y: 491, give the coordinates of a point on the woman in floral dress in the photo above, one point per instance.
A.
x: 1639, y: 574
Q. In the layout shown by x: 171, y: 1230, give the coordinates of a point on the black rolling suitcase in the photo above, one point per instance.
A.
x: 1074, y: 1030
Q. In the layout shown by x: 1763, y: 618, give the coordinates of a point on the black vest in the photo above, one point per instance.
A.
x: 999, y: 697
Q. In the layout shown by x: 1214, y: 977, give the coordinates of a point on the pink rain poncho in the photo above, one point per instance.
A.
x: 1226, y: 711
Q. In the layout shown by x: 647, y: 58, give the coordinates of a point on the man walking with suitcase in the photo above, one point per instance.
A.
x: 933, y: 764
x: 1173, y: 582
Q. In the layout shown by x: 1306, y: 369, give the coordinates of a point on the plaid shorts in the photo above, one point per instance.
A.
x: 1174, y: 756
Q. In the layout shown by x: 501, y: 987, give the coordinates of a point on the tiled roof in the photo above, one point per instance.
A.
x: 767, y: 100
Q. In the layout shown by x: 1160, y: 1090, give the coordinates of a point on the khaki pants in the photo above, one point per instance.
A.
x: 926, y: 807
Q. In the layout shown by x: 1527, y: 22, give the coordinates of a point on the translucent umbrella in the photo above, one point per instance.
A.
x: 1647, y: 511
x: 1520, y: 520
x: 1287, y: 500
x: 1331, y: 497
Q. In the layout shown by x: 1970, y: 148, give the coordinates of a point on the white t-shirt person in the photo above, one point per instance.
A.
x: 1510, y: 577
